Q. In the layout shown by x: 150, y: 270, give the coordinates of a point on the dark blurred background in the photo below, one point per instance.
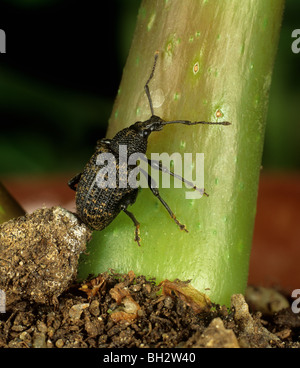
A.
x: 61, y: 73
x: 58, y: 80
x: 62, y: 70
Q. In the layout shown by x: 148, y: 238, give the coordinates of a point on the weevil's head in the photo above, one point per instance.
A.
x: 141, y: 130
x: 145, y: 128
x: 136, y: 136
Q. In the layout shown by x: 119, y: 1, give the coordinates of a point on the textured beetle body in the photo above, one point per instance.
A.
x: 98, y: 206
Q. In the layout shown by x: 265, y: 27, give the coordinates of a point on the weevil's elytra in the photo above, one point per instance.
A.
x: 96, y: 206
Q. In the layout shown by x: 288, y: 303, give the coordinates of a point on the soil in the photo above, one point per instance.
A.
x: 116, y: 310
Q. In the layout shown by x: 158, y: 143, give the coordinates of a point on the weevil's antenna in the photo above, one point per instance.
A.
x: 187, y: 122
x: 149, y: 79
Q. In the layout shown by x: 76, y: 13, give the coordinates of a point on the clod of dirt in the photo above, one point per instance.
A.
x: 265, y: 300
x: 214, y: 336
x: 39, y: 254
x: 252, y: 333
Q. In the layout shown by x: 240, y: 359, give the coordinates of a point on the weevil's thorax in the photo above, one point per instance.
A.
x: 133, y: 139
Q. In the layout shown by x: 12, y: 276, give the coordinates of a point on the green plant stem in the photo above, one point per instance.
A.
x: 215, y: 63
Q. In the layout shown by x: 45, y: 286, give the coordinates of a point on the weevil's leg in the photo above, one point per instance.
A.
x: 74, y: 181
x: 153, y: 187
x: 146, y: 85
x: 158, y: 166
x: 156, y: 193
x: 136, y: 224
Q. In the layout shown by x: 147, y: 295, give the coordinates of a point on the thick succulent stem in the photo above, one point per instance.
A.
x: 215, y: 63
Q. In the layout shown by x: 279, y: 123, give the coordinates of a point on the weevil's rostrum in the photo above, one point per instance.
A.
x: 97, y: 206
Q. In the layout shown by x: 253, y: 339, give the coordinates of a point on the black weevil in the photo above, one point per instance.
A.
x: 98, y: 206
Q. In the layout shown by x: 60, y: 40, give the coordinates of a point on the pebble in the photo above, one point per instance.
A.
x: 39, y: 340
x: 59, y: 343
x: 76, y: 310
x: 217, y: 336
x: 266, y: 300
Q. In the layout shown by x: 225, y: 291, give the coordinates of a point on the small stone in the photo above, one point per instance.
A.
x: 214, y: 336
x: 266, y: 300
x: 91, y: 328
x: 49, y: 343
x: 41, y: 326
x: 50, y: 331
x: 39, y: 340
x: 24, y: 336
x: 18, y: 328
x: 168, y: 302
x: 76, y: 310
x: 94, y: 308
x: 59, y: 343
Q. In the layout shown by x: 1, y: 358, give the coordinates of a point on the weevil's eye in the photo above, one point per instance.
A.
x: 143, y: 133
x: 146, y: 133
